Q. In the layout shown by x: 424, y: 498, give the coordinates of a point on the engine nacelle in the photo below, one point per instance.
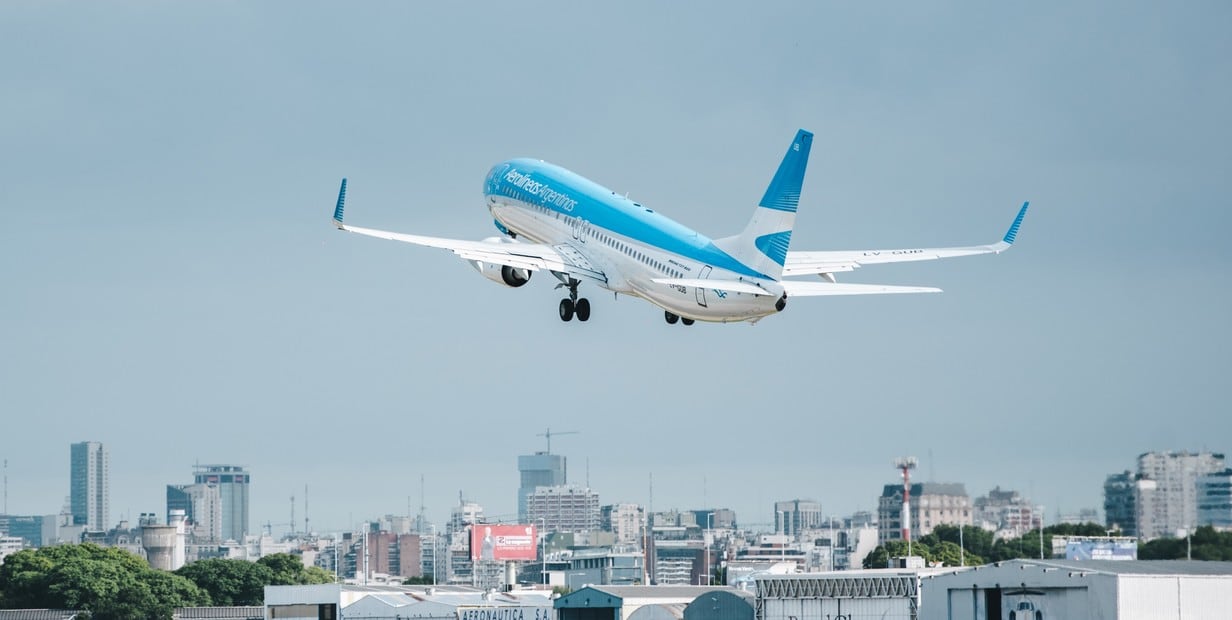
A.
x: 512, y: 277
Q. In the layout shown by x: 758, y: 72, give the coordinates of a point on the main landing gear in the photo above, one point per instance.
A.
x: 573, y: 306
x: 672, y: 318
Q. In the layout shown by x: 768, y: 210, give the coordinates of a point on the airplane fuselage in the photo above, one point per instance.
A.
x: 628, y: 242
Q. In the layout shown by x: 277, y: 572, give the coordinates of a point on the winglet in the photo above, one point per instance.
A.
x: 1009, y: 235
x: 342, y: 201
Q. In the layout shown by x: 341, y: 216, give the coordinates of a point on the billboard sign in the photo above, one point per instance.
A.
x: 1101, y: 550
x: 502, y: 542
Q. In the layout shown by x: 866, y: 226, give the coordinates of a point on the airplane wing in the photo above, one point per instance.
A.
x: 828, y: 263
x: 561, y: 258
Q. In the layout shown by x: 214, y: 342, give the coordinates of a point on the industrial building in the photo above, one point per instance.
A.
x: 633, y: 603
x: 1063, y: 589
x: 891, y: 594
x: 164, y: 545
x: 338, y: 601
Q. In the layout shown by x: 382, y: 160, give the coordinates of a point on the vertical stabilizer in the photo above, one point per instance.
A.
x: 763, y: 244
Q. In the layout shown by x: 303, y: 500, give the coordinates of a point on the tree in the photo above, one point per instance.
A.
x: 880, y: 557
x: 1205, y: 544
x: 289, y: 570
x: 230, y: 582
x: 976, y: 541
x: 110, y: 583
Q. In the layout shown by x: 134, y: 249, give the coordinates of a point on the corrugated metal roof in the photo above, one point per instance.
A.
x: 865, y: 572
x: 37, y: 614
x: 666, y: 611
x: 1132, y: 567
x: 658, y: 591
x: 225, y: 613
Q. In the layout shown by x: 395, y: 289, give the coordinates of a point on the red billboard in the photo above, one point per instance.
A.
x: 502, y: 542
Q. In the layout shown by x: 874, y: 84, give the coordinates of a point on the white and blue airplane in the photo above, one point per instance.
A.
x: 556, y: 221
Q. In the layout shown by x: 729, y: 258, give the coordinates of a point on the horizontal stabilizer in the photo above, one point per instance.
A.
x: 795, y: 288
x: 832, y: 261
x: 731, y: 286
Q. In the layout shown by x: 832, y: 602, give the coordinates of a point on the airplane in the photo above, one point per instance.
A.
x: 557, y: 221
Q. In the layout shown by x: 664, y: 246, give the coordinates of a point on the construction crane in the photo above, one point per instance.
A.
x: 548, y: 434
x: 269, y: 527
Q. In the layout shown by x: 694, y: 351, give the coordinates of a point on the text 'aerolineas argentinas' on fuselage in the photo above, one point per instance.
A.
x: 542, y: 190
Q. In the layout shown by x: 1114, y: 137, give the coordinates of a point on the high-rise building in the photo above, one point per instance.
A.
x: 394, y: 554
x: 202, y: 506
x: 36, y: 530
x: 716, y: 518
x: 794, y: 516
x: 540, y: 469
x: 1215, y: 500
x: 623, y: 520
x: 1167, y: 502
x: 232, y: 482
x: 563, y: 508
x: 1120, y: 503
x: 89, y: 489
x: 932, y: 504
x: 1007, y: 513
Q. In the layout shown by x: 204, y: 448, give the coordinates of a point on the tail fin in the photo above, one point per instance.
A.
x: 763, y: 244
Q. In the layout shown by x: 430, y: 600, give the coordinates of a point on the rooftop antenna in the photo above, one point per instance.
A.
x: 548, y: 434
x: 306, y: 530
x: 292, y: 523
x: 588, y: 472
x: 423, y: 507
x: 6, y: 486
x: 906, y: 464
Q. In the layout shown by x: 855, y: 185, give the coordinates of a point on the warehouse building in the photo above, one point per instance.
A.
x: 1062, y: 589
x: 627, y: 602
x: 888, y: 593
x: 346, y: 602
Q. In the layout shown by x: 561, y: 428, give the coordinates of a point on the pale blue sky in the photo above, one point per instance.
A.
x: 173, y: 287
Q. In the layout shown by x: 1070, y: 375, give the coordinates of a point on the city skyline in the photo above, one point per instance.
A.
x: 752, y: 512
x: 174, y: 289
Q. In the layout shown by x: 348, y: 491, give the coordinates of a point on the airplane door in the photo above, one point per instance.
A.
x: 701, y: 292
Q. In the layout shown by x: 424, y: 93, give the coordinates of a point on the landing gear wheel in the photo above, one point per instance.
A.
x: 686, y: 321
x: 671, y: 318
x: 566, y: 310
x: 582, y: 308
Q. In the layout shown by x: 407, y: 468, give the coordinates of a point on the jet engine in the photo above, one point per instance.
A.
x: 512, y: 277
